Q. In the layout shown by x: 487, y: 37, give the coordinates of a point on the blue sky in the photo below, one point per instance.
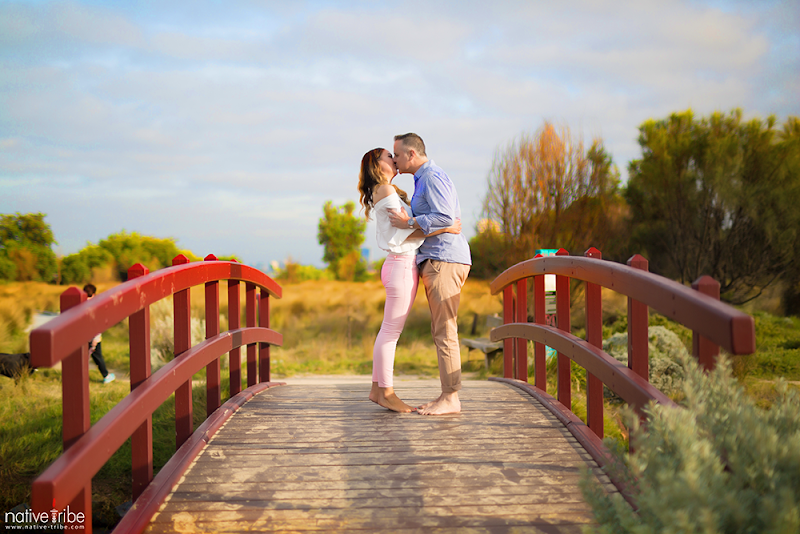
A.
x: 227, y: 125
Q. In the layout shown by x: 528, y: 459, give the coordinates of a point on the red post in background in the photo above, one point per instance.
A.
x: 703, y: 349
x: 263, y: 348
x: 638, y: 318
x: 213, y: 373
x: 594, y: 335
x: 522, y: 317
x: 142, y: 437
x: 508, y: 344
x: 250, y: 317
x: 539, y: 315
x: 184, y: 424
x: 75, y: 411
x: 564, y: 323
x: 235, y: 322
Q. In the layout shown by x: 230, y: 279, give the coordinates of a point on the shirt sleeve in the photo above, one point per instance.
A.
x: 439, y: 196
x: 399, y: 235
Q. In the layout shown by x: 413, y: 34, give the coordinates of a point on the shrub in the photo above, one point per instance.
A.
x: 719, y: 464
x: 666, y: 351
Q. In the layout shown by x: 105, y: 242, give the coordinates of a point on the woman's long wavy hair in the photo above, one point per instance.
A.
x: 370, y: 176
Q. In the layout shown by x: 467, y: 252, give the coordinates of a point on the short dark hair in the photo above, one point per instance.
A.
x: 90, y: 290
x: 412, y: 141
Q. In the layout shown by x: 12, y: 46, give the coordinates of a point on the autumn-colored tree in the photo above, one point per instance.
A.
x: 342, y: 233
x: 548, y: 191
x: 718, y: 196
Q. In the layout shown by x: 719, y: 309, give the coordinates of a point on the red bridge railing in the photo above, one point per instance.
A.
x: 714, y: 324
x: 67, y: 482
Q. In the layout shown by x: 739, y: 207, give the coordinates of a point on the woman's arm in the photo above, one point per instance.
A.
x: 455, y: 229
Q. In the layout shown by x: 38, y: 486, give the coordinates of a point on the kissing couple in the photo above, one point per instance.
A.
x: 422, y: 239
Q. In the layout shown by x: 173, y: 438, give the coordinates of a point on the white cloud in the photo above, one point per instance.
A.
x: 196, y: 121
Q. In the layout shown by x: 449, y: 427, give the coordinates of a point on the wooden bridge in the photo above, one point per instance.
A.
x: 282, y: 457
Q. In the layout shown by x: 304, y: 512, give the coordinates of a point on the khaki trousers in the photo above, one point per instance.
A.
x: 443, y: 282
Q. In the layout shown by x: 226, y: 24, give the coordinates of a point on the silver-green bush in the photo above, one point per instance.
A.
x: 719, y: 464
x: 666, y: 351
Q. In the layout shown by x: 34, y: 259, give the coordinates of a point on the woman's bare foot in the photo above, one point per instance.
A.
x: 373, y: 393
x: 447, y: 403
x: 386, y: 397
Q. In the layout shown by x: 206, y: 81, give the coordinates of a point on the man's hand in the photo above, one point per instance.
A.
x: 399, y: 219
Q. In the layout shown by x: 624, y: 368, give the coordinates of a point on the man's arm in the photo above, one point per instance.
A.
x: 439, y: 196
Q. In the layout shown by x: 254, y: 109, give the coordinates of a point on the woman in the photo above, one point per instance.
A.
x: 399, y: 272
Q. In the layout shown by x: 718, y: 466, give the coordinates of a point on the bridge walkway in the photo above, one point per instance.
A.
x: 316, y: 458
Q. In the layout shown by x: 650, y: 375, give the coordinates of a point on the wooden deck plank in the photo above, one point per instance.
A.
x: 290, y: 462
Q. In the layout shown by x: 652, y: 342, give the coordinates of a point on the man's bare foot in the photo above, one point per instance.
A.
x: 447, y: 403
x: 429, y: 404
x: 386, y: 398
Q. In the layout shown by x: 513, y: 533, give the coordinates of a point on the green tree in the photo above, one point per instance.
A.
x: 121, y: 250
x: 342, y: 233
x: 25, y: 248
x: 717, y: 196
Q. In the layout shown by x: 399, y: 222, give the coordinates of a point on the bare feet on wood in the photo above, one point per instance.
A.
x: 447, y: 403
x: 387, y: 398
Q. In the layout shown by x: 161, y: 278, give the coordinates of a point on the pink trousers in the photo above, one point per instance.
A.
x: 400, y: 278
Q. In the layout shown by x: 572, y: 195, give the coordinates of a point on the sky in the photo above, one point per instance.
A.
x: 228, y: 125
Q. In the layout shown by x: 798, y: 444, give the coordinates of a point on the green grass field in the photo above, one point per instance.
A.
x: 328, y: 328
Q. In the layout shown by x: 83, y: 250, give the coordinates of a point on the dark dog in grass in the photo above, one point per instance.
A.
x: 15, y: 365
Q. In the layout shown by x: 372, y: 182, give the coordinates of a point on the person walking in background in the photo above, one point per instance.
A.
x: 95, y: 345
x: 399, y: 271
x: 443, y: 261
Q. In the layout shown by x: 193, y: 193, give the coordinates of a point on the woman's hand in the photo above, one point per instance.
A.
x: 455, y: 229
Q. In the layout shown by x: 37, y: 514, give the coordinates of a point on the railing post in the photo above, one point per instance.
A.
x: 508, y: 344
x: 522, y: 317
x: 703, y: 349
x: 250, y: 318
x: 184, y: 424
x: 638, y: 314
x: 539, y: 315
x: 263, y: 348
x: 594, y: 335
x: 142, y: 437
x: 75, y: 410
x: 234, y: 322
x: 562, y: 312
x: 213, y: 392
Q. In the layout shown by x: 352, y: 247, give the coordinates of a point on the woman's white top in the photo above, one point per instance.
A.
x: 391, y: 239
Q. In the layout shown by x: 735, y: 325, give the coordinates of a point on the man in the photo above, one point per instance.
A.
x: 444, y: 261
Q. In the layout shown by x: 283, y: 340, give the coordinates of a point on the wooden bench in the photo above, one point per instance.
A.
x: 484, y: 344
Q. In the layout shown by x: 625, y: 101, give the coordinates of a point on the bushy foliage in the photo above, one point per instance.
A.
x: 718, y: 464
x: 666, y: 351
x: 121, y: 251
x: 25, y: 248
x: 718, y: 195
x: 341, y: 233
x: 293, y: 273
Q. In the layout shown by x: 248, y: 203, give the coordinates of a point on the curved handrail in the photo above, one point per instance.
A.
x: 59, y: 337
x: 634, y: 389
x: 723, y: 325
x: 68, y: 474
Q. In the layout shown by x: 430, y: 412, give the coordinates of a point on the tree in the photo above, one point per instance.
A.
x: 121, y: 251
x: 548, y: 191
x: 342, y: 233
x: 717, y: 196
x: 25, y: 248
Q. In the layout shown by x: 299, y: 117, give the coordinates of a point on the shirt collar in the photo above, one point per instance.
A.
x: 422, y: 169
